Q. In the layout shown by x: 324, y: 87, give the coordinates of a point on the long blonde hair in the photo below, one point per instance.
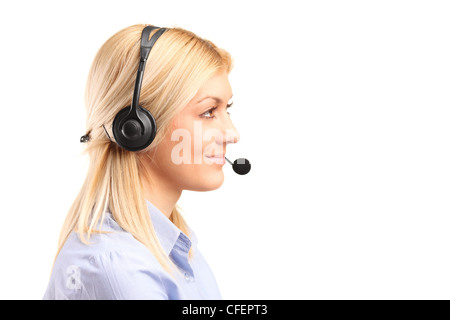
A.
x: 179, y: 63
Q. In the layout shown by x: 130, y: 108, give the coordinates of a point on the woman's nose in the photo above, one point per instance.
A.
x: 231, y: 133
x: 231, y: 136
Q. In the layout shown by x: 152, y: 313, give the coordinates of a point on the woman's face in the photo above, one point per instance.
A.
x: 191, y: 155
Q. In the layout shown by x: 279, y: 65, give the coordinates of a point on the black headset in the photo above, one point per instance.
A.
x: 134, y: 127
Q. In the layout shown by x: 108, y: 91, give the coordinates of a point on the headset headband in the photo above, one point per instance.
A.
x: 146, y: 47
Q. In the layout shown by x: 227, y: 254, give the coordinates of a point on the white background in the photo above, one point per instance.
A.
x: 343, y: 111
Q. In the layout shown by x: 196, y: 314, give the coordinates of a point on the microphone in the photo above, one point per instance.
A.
x: 240, y: 166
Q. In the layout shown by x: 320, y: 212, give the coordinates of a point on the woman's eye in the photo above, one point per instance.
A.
x: 208, y: 114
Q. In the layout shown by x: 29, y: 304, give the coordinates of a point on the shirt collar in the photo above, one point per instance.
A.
x: 168, y: 234
x: 173, y: 241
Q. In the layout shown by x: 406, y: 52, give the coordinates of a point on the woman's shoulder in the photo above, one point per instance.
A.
x: 114, y: 265
x: 109, y: 239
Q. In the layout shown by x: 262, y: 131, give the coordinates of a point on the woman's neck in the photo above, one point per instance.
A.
x: 160, y: 193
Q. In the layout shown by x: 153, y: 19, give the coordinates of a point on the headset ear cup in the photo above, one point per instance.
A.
x: 133, y: 133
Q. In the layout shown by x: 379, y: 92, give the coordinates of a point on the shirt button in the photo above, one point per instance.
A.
x: 187, y: 277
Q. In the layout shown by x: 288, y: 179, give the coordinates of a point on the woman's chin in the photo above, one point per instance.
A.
x: 210, y: 182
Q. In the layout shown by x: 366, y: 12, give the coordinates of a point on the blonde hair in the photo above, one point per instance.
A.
x: 179, y: 63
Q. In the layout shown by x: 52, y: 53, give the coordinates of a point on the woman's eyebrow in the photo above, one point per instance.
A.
x: 217, y: 99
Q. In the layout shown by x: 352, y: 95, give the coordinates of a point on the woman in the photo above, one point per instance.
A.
x: 124, y: 236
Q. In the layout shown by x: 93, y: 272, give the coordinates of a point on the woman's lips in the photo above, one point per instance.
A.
x: 217, y: 159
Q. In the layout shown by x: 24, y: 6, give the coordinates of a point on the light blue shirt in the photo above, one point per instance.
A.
x: 117, y: 266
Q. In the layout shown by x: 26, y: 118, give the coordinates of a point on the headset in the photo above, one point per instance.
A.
x: 134, y: 127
